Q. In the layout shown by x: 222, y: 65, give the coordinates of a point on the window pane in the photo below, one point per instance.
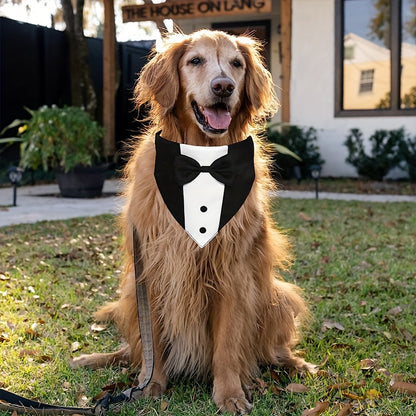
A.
x: 408, y: 64
x: 366, y: 83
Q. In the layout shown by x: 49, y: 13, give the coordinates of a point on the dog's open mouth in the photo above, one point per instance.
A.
x: 214, y: 119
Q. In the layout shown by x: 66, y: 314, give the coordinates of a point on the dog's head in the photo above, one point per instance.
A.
x: 209, y: 81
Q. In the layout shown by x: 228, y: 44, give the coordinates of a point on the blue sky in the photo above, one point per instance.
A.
x: 358, y: 14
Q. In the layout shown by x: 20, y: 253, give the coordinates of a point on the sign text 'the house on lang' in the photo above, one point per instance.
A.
x: 177, y: 9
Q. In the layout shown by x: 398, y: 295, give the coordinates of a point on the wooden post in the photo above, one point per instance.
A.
x: 109, y: 79
x: 286, y: 25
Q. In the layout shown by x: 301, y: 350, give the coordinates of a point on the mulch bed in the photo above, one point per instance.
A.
x: 349, y: 185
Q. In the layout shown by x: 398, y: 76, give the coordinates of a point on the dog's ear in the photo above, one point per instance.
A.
x: 159, y: 79
x: 260, y: 96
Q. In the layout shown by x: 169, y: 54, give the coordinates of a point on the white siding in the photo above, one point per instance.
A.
x: 312, y: 86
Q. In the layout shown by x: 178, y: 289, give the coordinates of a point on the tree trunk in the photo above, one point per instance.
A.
x: 82, y: 90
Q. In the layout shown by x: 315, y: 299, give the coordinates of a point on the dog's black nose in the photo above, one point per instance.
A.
x: 222, y: 86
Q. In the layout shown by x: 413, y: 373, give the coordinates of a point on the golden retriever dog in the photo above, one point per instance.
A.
x: 218, y: 310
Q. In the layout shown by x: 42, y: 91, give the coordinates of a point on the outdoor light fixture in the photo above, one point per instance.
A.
x: 15, y: 176
x: 316, y: 174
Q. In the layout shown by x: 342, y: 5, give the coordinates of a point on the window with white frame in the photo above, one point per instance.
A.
x: 366, y: 80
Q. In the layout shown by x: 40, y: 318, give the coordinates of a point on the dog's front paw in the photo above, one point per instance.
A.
x: 154, y: 389
x: 235, y: 405
x: 84, y: 360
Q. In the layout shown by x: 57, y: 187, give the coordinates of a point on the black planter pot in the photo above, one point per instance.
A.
x: 82, y: 181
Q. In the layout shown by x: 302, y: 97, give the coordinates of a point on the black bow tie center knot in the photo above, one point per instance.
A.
x: 187, y: 169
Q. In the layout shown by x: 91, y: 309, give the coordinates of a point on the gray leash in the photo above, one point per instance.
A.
x: 13, y: 402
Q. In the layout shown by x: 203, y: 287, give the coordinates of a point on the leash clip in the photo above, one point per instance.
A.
x: 102, y: 405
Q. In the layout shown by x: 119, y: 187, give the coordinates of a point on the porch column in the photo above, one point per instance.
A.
x: 109, y: 79
x: 286, y: 34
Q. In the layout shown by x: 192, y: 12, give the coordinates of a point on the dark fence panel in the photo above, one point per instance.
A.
x: 34, y: 70
x: 133, y: 56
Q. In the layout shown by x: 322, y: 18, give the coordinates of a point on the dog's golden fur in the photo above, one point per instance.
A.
x: 218, y: 312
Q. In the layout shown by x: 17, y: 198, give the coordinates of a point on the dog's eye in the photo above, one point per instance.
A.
x: 196, y: 61
x: 236, y: 63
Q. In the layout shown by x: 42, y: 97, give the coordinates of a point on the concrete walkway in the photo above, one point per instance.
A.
x: 39, y: 203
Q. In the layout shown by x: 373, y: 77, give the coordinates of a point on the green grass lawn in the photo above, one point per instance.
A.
x: 355, y: 261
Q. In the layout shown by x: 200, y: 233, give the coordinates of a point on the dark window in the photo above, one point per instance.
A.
x: 260, y: 29
x: 366, y: 80
x: 375, y: 57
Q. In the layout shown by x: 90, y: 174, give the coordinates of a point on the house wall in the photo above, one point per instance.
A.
x: 312, y: 86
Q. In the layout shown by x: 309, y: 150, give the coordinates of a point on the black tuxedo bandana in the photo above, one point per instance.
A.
x: 204, y: 186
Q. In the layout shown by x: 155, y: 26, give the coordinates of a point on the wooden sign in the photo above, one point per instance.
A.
x: 189, y: 9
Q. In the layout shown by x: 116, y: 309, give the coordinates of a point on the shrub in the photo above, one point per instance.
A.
x: 407, y: 155
x: 302, y: 142
x: 384, y: 152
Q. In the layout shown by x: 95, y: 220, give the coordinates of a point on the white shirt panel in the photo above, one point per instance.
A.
x: 203, y: 197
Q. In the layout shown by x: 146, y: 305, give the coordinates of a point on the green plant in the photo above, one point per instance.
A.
x: 301, y: 141
x: 407, y: 155
x: 383, y: 153
x: 58, y: 138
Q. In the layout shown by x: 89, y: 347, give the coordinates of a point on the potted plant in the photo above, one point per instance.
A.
x: 67, y: 141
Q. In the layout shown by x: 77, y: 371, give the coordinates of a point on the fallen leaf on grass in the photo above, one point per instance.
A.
x: 319, y: 408
x: 32, y: 331
x: 304, y: 217
x: 345, y: 410
x: 111, y: 388
x: 360, y: 384
x: 163, y: 406
x: 27, y: 353
x: 98, y: 327
x: 340, y: 346
x: 352, y: 396
x: 328, y: 324
x: 373, y: 394
x: 32, y: 334
x: 384, y: 371
x: 66, y: 385
x: 82, y: 400
x: 75, y: 346
x: 407, y: 335
x: 275, y: 375
x: 261, y: 386
x: 368, y: 364
x: 403, y: 387
x: 44, y: 358
x: 100, y: 395
x: 395, y: 311
x: 387, y: 335
x: 339, y: 386
x: 11, y: 325
x: 296, y: 388
x: 276, y: 390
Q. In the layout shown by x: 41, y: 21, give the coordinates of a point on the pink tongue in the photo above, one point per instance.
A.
x: 217, y: 118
